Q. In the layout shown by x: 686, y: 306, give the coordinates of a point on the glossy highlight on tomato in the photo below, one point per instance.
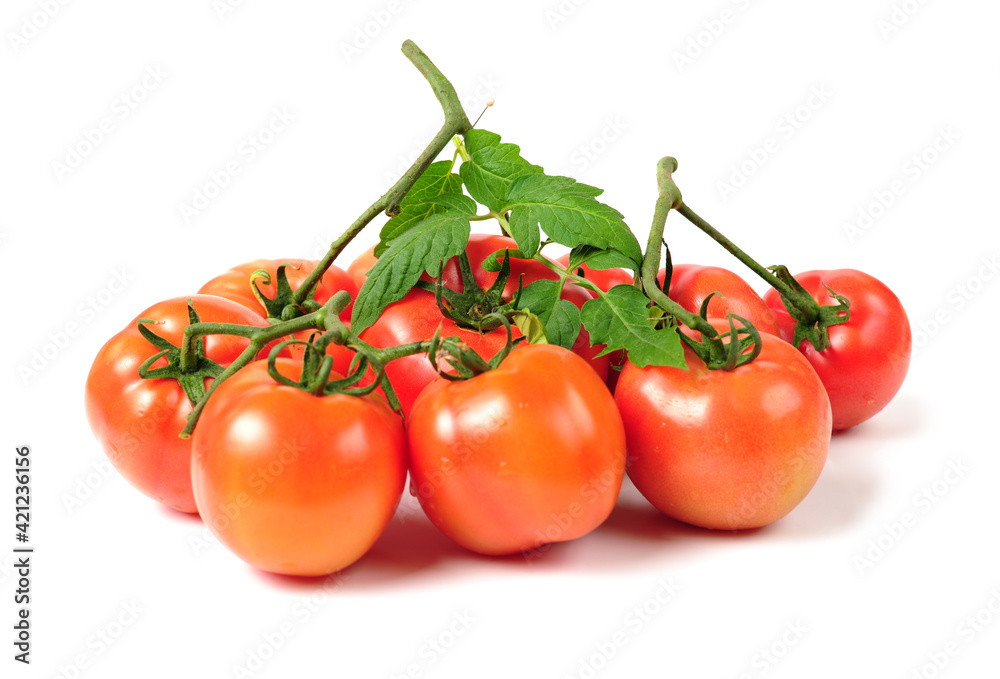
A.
x: 691, y: 284
x: 292, y: 482
x: 528, y: 454
x: 138, y: 420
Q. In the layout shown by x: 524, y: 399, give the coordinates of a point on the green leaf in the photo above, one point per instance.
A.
x: 599, y: 259
x: 569, y: 213
x: 559, y: 317
x: 492, y: 168
x: 437, y: 180
x: 456, y: 202
x: 620, y: 319
x: 420, y: 248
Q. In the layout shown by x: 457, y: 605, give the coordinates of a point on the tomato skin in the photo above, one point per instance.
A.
x: 527, y: 454
x: 690, y: 284
x: 869, y: 354
x: 294, y: 483
x: 482, y: 245
x: 136, y: 420
x: 605, y: 279
x: 415, y: 318
x: 362, y: 264
x: 726, y: 450
x: 235, y: 283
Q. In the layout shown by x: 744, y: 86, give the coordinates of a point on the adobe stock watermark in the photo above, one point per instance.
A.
x: 247, y: 151
x: 58, y: 341
x: 588, y: 152
x: 921, y: 503
x: 122, y: 107
x: 786, y: 128
x: 633, y: 623
x: 702, y: 39
x: 966, y: 632
x: 898, y: 17
x: 476, y: 98
x: 912, y: 171
x: 773, y: 653
x: 33, y: 24
x: 375, y: 24
x: 955, y: 299
x: 560, y: 13
x: 102, y: 639
x: 302, y: 611
x: 258, y: 482
x: 435, y: 647
x: 223, y: 8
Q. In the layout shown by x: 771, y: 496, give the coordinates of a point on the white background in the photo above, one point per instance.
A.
x: 606, y: 77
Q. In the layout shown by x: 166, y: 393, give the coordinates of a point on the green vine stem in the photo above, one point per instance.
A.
x: 455, y: 122
x: 812, y: 320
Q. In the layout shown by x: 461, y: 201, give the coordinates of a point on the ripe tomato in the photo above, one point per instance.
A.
x: 294, y: 483
x: 605, y: 279
x: 726, y: 450
x: 527, y: 454
x: 482, y: 245
x: 358, y: 269
x: 690, y: 284
x: 235, y: 285
x: 414, y: 318
x: 138, y: 420
x: 868, y: 356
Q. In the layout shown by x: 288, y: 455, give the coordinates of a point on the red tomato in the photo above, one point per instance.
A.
x: 868, y: 355
x: 527, y: 454
x: 294, y: 483
x: 138, y: 420
x: 605, y: 279
x: 690, y: 284
x: 414, y: 318
x: 359, y: 268
x: 235, y: 285
x: 482, y: 245
x: 726, y: 449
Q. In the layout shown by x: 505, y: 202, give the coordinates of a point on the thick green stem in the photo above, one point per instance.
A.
x: 669, y: 198
x: 455, y: 122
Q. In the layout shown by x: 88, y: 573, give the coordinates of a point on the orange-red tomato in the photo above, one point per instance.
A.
x: 295, y: 483
x: 235, y: 285
x: 726, y: 449
x: 138, y: 420
x: 868, y: 356
x: 527, y: 454
x: 690, y: 284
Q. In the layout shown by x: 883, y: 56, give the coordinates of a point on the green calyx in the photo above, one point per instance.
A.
x: 812, y: 321
x: 284, y: 306
x: 475, y: 308
x: 191, y: 376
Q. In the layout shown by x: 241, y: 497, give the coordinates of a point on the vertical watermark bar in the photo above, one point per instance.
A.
x: 23, y: 553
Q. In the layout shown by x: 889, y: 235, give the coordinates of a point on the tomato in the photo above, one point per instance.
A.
x: 521, y: 456
x: 136, y: 420
x: 868, y: 356
x: 605, y: 279
x: 690, y: 284
x: 726, y: 449
x: 235, y: 285
x: 482, y: 245
x: 415, y: 318
x: 359, y: 268
x: 294, y: 483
